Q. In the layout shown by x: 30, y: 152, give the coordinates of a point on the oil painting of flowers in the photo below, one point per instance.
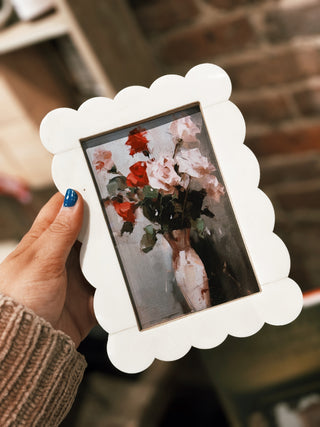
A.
x: 170, y: 216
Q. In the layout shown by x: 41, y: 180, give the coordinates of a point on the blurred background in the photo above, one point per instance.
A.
x: 59, y: 53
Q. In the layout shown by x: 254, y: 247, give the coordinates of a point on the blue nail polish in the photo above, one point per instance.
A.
x: 70, y: 199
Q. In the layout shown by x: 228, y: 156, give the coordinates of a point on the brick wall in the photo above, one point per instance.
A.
x: 271, y: 50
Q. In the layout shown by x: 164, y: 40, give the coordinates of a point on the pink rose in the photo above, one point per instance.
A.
x: 102, y: 160
x: 184, y: 129
x: 193, y: 163
x: 185, y: 180
x: 162, y: 175
x: 213, y: 187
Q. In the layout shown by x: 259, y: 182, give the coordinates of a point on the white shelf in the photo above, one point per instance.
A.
x: 25, y: 34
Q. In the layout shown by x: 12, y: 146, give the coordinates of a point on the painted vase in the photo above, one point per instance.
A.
x: 189, y: 270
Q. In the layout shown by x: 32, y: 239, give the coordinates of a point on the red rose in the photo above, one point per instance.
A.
x: 138, y: 176
x: 99, y: 165
x: 137, y: 141
x: 125, y: 210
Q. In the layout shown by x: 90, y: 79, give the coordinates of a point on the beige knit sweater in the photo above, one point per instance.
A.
x: 40, y: 369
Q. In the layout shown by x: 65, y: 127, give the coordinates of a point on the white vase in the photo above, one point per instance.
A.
x: 189, y: 270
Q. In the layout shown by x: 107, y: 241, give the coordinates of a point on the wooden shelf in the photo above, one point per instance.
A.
x: 25, y: 34
x: 108, y: 46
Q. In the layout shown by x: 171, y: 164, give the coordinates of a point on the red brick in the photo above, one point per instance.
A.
x: 304, y: 198
x: 231, y: 4
x: 291, y: 140
x: 289, y: 169
x: 308, y: 100
x: 266, y: 108
x: 204, y: 42
x: 282, y: 67
x: 302, y: 241
x: 286, y: 23
x: 157, y: 16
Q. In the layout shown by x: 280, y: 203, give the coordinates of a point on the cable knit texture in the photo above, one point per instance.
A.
x: 40, y: 369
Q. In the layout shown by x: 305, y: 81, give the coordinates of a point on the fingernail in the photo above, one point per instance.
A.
x: 70, y: 199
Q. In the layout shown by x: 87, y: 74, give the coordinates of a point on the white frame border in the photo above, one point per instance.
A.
x: 280, y: 299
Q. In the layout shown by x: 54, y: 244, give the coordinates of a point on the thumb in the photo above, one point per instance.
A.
x: 56, y: 242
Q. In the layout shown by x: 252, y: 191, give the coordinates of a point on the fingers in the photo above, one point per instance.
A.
x: 80, y: 293
x: 43, y: 220
x: 57, y: 240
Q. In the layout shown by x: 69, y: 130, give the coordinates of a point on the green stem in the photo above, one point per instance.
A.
x: 184, y: 204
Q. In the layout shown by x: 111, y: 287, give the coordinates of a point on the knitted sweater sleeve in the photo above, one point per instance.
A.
x: 40, y: 369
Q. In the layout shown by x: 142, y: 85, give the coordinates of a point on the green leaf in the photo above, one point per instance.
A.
x: 208, y: 213
x: 127, y: 227
x: 149, y: 229
x: 165, y: 228
x: 113, y: 169
x: 112, y: 188
x: 115, y: 184
x: 148, y: 240
x: 150, y: 192
x: 150, y: 209
x: 199, y: 225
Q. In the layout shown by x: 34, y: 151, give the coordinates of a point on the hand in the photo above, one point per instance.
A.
x: 43, y: 272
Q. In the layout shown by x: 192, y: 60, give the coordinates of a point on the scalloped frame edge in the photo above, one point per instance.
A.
x: 280, y: 299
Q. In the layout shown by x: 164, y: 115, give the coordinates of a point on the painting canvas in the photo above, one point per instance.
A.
x: 170, y: 217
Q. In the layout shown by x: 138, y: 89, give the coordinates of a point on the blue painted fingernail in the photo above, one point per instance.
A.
x: 70, y: 199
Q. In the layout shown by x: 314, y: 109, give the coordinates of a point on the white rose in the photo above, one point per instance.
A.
x: 193, y: 163
x: 184, y: 129
x: 161, y: 174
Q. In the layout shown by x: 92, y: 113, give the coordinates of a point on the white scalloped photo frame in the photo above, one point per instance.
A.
x: 279, y: 301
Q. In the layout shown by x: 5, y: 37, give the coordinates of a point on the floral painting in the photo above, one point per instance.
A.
x: 170, y: 216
